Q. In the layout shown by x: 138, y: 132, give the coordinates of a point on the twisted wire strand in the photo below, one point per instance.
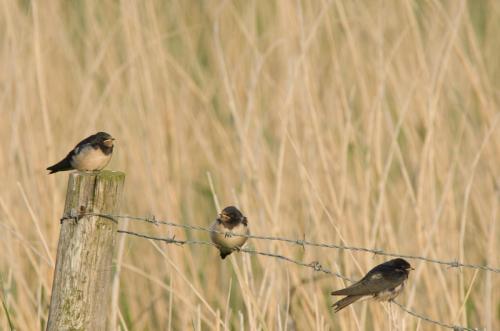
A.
x: 429, y: 320
x: 315, y: 265
x: 299, y: 242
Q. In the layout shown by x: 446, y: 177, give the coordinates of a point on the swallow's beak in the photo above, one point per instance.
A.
x: 224, y: 217
x: 109, y: 142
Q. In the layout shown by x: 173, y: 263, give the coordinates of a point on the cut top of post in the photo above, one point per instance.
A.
x: 94, y: 192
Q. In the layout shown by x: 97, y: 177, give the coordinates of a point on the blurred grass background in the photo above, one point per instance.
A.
x: 368, y: 123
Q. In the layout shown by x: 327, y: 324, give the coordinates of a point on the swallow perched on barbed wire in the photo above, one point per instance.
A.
x: 230, y: 221
x: 384, y: 283
x: 91, y: 154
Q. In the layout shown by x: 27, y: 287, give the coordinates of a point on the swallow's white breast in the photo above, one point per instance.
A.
x: 228, y: 242
x: 90, y: 159
x: 390, y: 294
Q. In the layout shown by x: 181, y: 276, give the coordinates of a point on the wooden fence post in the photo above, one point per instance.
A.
x: 81, y: 290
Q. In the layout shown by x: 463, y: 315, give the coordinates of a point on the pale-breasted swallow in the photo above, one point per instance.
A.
x: 384, y: 283
x: 230, y: 220
x: 91, y: 154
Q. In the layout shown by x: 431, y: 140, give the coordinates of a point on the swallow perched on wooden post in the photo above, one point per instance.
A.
x: 384, y: 283
x: 91, y: 154
x: 230, y: 221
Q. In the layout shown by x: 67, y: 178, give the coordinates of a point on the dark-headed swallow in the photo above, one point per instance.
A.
x: 384, y: 283
x: 230, y: 220
x: 91, y: 154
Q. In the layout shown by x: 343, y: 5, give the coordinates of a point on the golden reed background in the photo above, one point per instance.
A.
x: 369, y: 123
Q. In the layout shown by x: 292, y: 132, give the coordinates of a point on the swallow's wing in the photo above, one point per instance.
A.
x: 88, y: 140
x: 372, y: 283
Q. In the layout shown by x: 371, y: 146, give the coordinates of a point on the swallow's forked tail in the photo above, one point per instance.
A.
x: 62, y: 165
x: 342, y: 303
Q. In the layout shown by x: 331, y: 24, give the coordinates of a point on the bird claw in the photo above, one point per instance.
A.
x: 228, y: 235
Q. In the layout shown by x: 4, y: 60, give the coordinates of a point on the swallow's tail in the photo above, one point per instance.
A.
x: 63, y: 165
x: 223, y: 254
x: 341, y: 304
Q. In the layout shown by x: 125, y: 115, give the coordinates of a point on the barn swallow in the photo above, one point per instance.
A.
x: 230, y: 220
x: 384, y: 283
x: 91, y: 154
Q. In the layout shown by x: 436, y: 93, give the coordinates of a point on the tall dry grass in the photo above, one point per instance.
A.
x: 368, y: 123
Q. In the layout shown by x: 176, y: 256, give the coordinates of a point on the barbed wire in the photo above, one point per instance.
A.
x: 315, y: 265
x: 427, y: 319
x: 299, y: 242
